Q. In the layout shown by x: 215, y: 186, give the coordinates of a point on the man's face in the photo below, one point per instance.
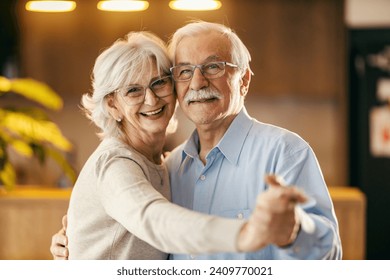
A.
x: 217, y: 98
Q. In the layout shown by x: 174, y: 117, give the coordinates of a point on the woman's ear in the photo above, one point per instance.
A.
x: 245, y: 81
x: 113, y: 108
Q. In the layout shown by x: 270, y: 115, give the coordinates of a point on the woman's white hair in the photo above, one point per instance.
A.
x: 239, y: 52
x: 125, y: 61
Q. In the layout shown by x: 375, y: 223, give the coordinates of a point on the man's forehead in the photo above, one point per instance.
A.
x: 203, y: 47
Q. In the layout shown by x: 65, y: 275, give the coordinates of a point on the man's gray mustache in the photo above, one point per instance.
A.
x: 196, y: 95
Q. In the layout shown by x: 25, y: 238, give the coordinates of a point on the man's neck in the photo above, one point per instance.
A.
x: 211, y: 134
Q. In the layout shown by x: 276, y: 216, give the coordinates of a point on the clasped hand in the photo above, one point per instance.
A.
x: 275, y: 219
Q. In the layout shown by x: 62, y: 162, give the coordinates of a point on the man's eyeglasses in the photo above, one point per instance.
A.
x: 135, y: 94
x: 211, y: 70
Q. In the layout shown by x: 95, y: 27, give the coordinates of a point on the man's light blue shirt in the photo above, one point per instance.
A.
x: 233, y: 177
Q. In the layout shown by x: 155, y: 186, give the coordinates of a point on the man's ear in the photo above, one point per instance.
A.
x: 245, y: 81
x: 113, y: 108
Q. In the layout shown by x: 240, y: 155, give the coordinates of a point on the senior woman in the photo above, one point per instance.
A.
x: 119, y: 207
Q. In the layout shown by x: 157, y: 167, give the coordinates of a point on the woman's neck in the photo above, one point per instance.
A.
x: 150, y: 146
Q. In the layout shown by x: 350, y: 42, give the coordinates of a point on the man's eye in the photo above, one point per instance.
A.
x: 212, y: 66
x: 185, y: 71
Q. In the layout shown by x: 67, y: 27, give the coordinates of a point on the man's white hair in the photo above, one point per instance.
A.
x: 239, y: 52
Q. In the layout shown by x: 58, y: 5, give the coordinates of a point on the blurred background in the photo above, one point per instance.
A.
x: 321, y: 68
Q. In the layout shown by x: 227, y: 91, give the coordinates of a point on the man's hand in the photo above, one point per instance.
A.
x: 274, y: 219
x: 59, y: 242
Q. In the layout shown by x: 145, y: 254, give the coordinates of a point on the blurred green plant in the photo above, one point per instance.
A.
x: 29, y: 131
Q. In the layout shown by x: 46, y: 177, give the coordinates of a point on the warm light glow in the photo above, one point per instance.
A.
x: 50, y: 6
x: 195, y: 5
x: 122, y: 5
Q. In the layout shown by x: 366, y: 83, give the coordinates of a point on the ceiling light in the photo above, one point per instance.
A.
x: 195, y: 5
x: 50, y: 6
x: 122, y: 5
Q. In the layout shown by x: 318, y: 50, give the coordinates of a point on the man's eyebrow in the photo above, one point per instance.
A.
x: 208, y: 59
x: 182, y: 63
x: 212, y: 58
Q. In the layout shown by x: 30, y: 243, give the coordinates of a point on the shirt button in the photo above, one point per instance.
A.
x: 240, y: 216
x: 297, y: 250
x: 203, y: 177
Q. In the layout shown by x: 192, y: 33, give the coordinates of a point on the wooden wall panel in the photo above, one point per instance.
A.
x: 29, y: 216
x: 298, y: 47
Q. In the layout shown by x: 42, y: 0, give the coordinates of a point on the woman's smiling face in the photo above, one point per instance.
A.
x: 153, y: 114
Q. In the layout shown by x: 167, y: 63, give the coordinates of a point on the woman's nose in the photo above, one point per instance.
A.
x: 150, y: 97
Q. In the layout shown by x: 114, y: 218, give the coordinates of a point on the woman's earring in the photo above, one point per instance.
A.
x: 119, y: 120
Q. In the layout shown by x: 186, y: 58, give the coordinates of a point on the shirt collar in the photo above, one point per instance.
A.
x: 231, y: 143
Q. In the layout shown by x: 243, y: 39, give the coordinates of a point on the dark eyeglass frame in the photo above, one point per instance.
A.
x: 155, y: 86
x: 203, y: 69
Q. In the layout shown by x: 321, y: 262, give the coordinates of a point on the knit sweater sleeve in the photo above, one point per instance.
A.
x: 129, y: 198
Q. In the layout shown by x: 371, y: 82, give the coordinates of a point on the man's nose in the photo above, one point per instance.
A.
x: 198, y: 80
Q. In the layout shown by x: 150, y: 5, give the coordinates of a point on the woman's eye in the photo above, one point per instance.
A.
x: 159, y: 83
x: 133, y: 90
